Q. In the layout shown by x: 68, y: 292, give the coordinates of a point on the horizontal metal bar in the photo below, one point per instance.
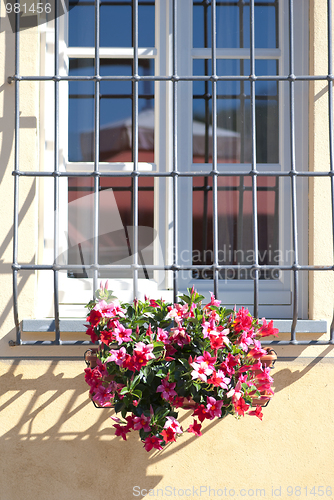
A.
x: 138, y: 173
x: 172, y: 267
x: 297, y: 342
x: 49, y: 343
x: 175, y: 78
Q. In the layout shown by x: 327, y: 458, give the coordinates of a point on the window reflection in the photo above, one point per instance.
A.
x: 233, y: 21
x: 234, y: 112
x: 235, y: 227
x: 115, y: 112
x: 115, y: 242
x: 113, y: 33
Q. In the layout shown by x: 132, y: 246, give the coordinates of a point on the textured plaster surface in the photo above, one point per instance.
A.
x: 56, y: 445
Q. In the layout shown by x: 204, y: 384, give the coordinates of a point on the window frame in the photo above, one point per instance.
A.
x: 296, y: 269
x: 278, y: 293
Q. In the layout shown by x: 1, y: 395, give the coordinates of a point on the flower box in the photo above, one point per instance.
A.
x: 154, y: 358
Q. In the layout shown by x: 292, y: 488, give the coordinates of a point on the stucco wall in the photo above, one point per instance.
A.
x: 56, y: 445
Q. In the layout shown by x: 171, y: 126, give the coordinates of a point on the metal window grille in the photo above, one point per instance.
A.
x: 254, y: 174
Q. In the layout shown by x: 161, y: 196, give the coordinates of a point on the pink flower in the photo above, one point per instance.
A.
x: 91, y: 332
x: 121, y: 430
x: 240, y: 406
x: 213, y: 301
x: 94, y: 317
x: 103, y: 396
x: 172, y: 423
x: 208, y: 359
x: 122, y: 334
x: 152, y: 442
x: 167, y: 389
x: 246, y: 339
x: 178, y: 312
x: 267, y: 329
x: 195, y: 428
x: 257, y: 351
x: 229, y: 364
x: 213, y: 407
x: 145, y: 349
x: 141, y: 354
x: 169, y: 435
x: 162, y: 336
x: 257, y: 413
x: 200, y: 412
x: 217, y: 339
x: 179, y: 336
x: 236, y: 392
x: 142, y: 423
x: 209, y: 327
x: 200, y: 370
x: 218, y: 379
x: 117, y: 355
x: 243, y: 320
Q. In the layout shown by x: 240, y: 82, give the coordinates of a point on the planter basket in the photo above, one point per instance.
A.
x: 268, y: 360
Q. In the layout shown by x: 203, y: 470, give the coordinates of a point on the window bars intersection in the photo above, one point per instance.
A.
x: 175, y: 174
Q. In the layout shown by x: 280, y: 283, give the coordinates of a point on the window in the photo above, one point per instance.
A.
x: 180, y: 152
x: 117, y: 108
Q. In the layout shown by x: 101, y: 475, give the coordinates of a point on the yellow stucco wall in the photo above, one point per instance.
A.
x: 56, y: 446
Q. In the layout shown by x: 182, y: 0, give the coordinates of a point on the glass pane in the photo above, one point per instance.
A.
x: 115, y: 23
x: 235, y: 225
x: 81, y: 24
x: 233, y: 24
x: 234, y: 139
x: 115, y: 112
x: 115, y: 225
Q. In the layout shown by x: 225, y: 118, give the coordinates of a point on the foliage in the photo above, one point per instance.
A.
x: 156, y: 357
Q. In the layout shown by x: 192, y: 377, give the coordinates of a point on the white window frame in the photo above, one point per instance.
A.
x: 74, y: 293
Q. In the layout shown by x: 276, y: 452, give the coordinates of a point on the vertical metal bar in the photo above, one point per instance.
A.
x: 242, y: 97
x: 206, y: 138
x: 254, y: 171
x: 135, y: 84
x: 16, y: 181
x: 175, y: 164
x: 96, y: 144
x: 56, y: 177
x: 214, y: 150
x: 292, y: 174
x: 330, y: 123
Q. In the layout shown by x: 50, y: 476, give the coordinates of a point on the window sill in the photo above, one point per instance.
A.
x: 77, y: 325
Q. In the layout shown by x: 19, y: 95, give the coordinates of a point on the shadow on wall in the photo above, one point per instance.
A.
x: 56, y: 445
x: 285, y: 377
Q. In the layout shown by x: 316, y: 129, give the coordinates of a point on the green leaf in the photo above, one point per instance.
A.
x: 125, y: 390
x: 137, y: 393
x: 185, y: 298
x: 199, y: 298
x: 134, y: 382
x: 118, y: 406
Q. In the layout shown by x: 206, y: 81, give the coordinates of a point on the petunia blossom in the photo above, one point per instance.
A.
x: 195, y: 428
x: 122, y: 334
x: 167, y: 389
x: 257, y: 413
x: 117, y: 355
x: 142, y: 422
x: 213, y: 407
x: 152, y: 442
x: 201, y: 371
